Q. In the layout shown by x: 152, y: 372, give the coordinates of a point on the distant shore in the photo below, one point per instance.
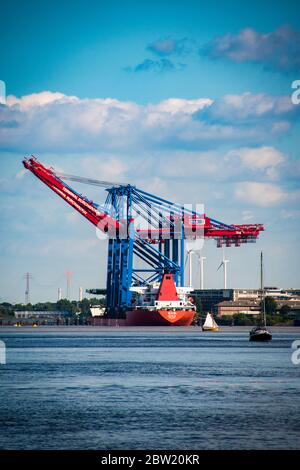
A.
x: 157, y: 329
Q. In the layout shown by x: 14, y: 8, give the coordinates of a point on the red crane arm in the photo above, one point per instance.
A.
x: 224, y: 234
x: 209, y: 228
x: 78, y: 202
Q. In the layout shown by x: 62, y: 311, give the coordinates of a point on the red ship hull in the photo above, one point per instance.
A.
x: 144, y: 317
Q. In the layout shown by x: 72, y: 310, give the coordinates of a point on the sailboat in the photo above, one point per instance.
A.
x: 260, y: 332
x: 210, y: 324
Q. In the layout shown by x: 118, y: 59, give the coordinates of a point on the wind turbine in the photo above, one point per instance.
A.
x: 201, y: 261
x: 224, y: 264
x: 189, y: 258
x: 201, y: 264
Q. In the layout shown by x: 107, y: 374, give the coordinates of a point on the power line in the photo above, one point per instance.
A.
x: 27, y: 277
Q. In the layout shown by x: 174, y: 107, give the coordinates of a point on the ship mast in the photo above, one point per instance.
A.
x: 262, y: 292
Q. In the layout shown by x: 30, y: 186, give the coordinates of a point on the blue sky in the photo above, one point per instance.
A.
x: 190, y: 100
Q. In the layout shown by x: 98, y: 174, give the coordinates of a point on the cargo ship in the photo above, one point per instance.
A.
x: 161, y: 304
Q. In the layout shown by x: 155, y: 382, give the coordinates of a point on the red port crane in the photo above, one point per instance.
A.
x: 160, y: 245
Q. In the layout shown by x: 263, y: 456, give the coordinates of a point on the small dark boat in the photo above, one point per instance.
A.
x: 260, y: 332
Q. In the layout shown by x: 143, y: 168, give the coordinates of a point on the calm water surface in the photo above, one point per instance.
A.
x: 119, y: 389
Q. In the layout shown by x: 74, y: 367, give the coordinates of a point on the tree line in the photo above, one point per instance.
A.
x: 70, y: 307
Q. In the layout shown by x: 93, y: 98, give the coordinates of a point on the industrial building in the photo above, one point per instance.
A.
x: 40, y: 316
x: 246, y: 307
x: 247, y: 301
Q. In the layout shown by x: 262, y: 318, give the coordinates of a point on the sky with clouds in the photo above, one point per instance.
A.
x: 189, y: 100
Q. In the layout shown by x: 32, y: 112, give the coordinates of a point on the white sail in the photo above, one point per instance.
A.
x: 209, y: 321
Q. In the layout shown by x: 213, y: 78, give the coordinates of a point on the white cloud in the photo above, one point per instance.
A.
x: 187, y: 164
x: 108, y: 167
x: 177, y: 105
x: 279, y: 49
x: 168, y: 46
x: 21, y: 174
x: 247, y: 215
x: 272, y: 173
x: 290, y: 214
x: 259, y: 157
x: 259, y: 194
x: 38, y: 99
x: 249, y: 105
x: 54, y: 122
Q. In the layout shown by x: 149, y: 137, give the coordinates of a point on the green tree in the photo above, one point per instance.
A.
x: 28, y: 306
x: 44, y: 306
x: 199, y: 310
x: 285, y: 310
x: 198, y: 304
x: 6, y: 305
x: 84, y: 306
x: 270, y: 305
x: 6, y: 309
x: 96, y: 301
x: 64, y: 305
x: 20, y: 307
x: 243, y: 320
x: 225, y: 320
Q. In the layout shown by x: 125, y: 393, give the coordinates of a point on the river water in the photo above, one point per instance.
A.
x: 172, y: 388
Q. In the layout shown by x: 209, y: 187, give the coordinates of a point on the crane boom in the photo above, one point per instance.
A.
x: 80, y: 203
x: 223, y: 233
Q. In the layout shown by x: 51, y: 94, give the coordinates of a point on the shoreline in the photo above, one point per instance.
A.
x: 135, y: 329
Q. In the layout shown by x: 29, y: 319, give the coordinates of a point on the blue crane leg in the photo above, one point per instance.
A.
x: 175, y: 258
x: 116, y: 276
x: 109, y: 277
